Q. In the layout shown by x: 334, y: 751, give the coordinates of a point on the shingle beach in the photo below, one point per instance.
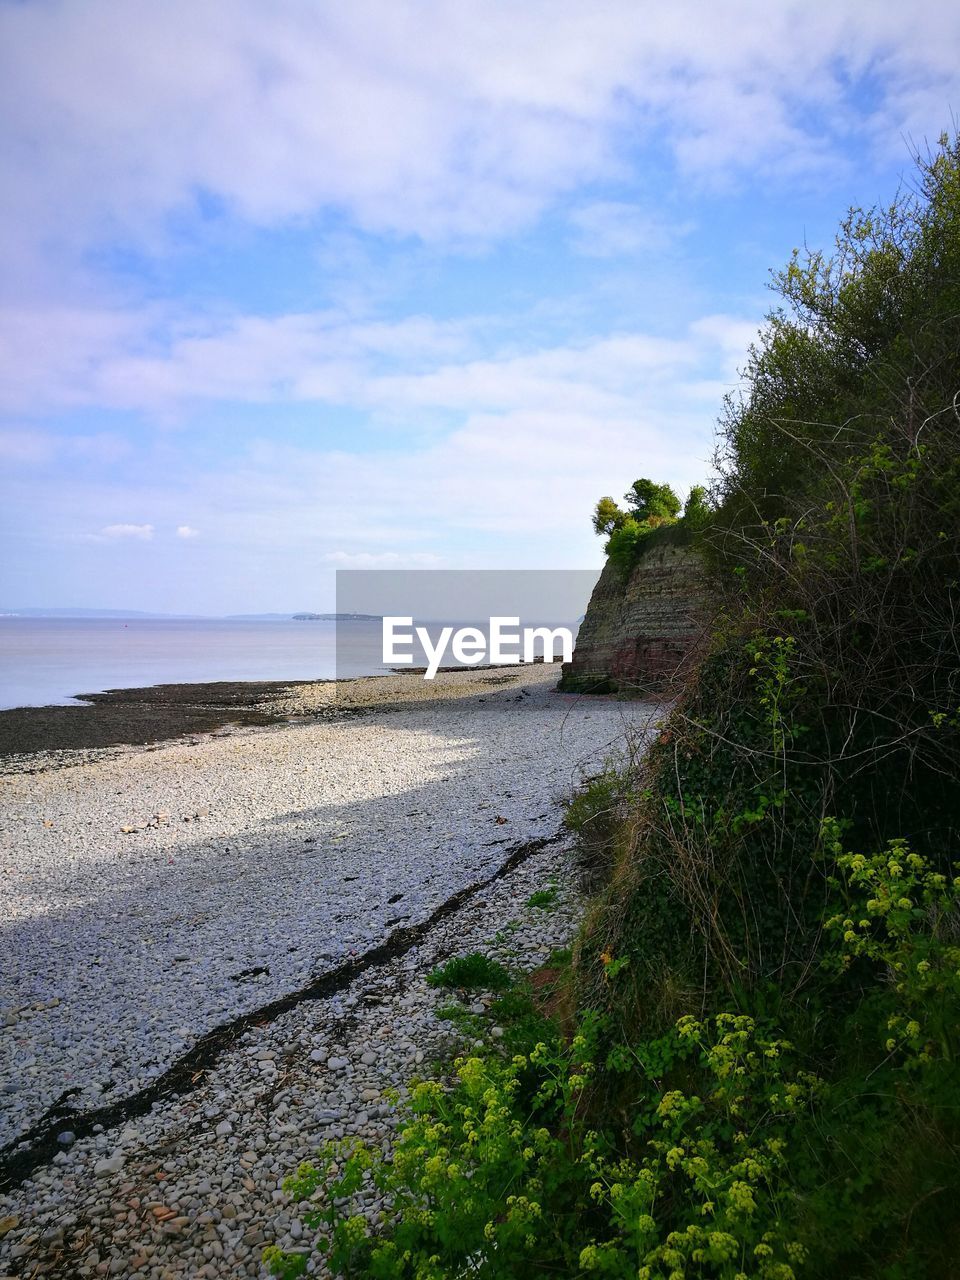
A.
x: 215, y: 949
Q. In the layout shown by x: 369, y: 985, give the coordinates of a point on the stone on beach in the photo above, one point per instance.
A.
x: 325, y: 821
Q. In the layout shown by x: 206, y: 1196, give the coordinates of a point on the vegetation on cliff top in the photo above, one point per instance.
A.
x: 652, y: 513
x: 757, y: 1075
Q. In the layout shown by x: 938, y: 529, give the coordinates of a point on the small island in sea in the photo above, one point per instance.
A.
x: 337, y: 617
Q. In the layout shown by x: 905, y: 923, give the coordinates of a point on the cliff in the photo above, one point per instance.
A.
x: 642, y: 629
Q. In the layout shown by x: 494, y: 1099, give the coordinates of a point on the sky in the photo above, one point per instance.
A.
x: 295, y: 287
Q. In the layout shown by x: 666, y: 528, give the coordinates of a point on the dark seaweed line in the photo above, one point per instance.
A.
x: 39, y: 1145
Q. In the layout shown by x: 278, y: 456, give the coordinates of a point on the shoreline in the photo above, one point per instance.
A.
x: 219, y: 946
x: 153, y: 714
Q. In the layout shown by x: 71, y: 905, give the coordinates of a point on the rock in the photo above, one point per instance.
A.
x: 224, y: 1129
x: 113, y: 1164
x: 67, y: 1138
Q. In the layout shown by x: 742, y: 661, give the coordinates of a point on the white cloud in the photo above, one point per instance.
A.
x: 434, y: 120
x: 110, y: 532
x: 187, y: 531
x: 392, y: 368
x: 141, y: 531
x: 156, y: 361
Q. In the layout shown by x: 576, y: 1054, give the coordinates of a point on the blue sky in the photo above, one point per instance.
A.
x: 292, y: 287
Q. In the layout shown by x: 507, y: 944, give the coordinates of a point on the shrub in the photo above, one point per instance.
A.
x: 543, y: 898
x: 474, y: 970
x: 708, y: 1151
x: 500, y: 1174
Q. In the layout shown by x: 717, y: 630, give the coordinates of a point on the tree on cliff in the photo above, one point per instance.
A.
x: 650, y: 501
x: 607, y: 517
x: 650, y: 506
x: 647, y: 502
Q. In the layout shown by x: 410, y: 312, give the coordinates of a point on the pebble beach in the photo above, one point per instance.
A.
x: 215, y: 948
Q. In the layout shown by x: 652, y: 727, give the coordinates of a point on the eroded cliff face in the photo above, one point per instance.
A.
x: 641, y: 630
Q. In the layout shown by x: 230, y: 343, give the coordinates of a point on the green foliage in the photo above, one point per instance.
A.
x: 830, y: 687
x: 607, y: 516
x: 832, y: 681
x: 522, y: 1017
x: 651, y: 515
x: 499, y: 1171
x: 650, y: 501
x: 625, y: 543
x: 595, y: 814
x: 474, y: 970
x: 544, y: 898
x: 696, y: 511
x: 901, y: 919
x: 461, y: 1017
x: 710, y: 1150
x: 652, y: 510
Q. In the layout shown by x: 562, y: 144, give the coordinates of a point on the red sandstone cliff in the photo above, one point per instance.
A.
x: 642, y: 629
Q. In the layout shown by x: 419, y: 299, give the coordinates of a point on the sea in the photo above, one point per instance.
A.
x: 51, y: 661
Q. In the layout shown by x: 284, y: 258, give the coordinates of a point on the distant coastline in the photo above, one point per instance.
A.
x: 337, y: 617
x: 80, y: 613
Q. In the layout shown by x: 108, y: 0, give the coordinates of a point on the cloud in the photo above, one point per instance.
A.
x: 112, y: 532
x: 187, y: 531
x: 156, y: 361
x: 527, y: 436
x: 431, y: 120
x: 141, y: 531
x: 388, y: 367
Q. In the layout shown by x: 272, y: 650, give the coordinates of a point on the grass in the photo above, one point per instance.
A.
x: 474, y: 970
x: 544, y: 898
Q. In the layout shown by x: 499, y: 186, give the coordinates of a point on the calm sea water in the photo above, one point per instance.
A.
x: 48, y: 661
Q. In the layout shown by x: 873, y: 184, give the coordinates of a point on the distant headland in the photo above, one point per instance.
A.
x: 142, y: 615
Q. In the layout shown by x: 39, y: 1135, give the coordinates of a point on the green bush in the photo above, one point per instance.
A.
x: 651, y: 519
x: 474, y: 970
x: 711, y: 1150
x: 480, y: 1179
x: 543, y: 898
